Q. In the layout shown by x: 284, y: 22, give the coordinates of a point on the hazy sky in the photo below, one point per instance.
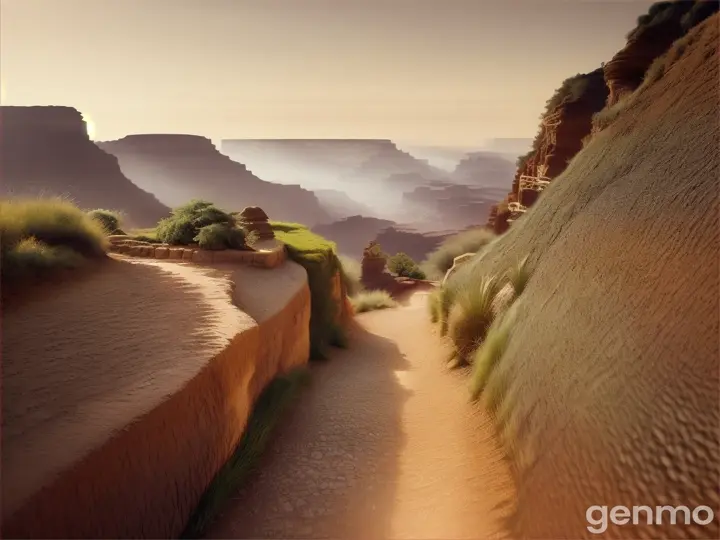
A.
x: 421, y: 71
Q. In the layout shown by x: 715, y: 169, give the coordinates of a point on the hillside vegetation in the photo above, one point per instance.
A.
x: 319, y: 258
x: 38, y: 237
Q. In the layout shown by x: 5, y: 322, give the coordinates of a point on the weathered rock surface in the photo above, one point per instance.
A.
x: 457, y: 263
x: 46, y: 151
x: 664, y: 23
x: 177, y: 168
x: 611, y: 369
x: 562, y: 130
x: 254, y: 219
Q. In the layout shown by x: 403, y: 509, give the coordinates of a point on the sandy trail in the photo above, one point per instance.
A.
x: 383, y: 444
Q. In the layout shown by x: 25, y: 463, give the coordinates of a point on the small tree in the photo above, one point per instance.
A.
x: 404, y: 266
x: 373, y: 250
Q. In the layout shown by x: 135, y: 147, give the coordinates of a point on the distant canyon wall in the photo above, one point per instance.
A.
x: 178, y: 168
x: 46, y: 151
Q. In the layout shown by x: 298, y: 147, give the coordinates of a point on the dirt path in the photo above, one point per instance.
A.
x: 383, y: 444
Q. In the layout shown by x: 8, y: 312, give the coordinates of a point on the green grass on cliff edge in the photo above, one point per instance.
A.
x: 319, y: 258
x: 267, y: 411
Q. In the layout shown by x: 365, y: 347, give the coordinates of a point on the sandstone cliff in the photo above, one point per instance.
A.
x: 177, y: 168
x: 607, y: 390
x: 46, y: 152
x: 656, y: 31
x: 572, y: 113
x: 565, y: 123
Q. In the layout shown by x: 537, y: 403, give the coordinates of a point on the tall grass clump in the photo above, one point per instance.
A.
x: 268, y: 410
x: 371, y: 301
x: 471, y: 315
x: 319, y: 258
x: 440, y: 261
x: 38, y: 236
x: 488, y: 355
x: 445, y: 299
x: 109, y: 219
x: 518, y: 276
x: 352, y: 275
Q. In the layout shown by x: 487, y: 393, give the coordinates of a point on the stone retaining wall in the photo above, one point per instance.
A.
x: 268, y: 254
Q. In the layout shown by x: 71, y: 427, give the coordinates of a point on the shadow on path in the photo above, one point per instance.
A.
x: 331, y: 470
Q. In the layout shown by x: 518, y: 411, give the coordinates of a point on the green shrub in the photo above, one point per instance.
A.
x: 471, y: 315
x: 352, y: 274
x: 403, y: 265
x: 319, y: 258
x: 109, y: 219
x: 185, y: 223
x: 441, y: 260
x: 221, y: 236
x: 39, y: 235
x: 372, y: 300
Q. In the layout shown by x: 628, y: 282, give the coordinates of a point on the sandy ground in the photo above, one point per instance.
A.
x: 85, y: 357
x: 383, y: 444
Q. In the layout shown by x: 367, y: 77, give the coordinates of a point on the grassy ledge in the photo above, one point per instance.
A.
x: 268, y: 410
x: 319, y: 258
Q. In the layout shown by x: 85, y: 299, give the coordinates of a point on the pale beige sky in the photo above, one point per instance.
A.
x: 421, y: 71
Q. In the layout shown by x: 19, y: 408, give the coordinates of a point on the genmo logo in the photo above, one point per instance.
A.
x: 599, y: 517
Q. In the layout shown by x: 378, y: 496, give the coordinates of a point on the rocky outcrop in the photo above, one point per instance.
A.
x: 657, y: 30
x: 566, y: 122
x: 177, y: 168
x: 141, y: 408
x: 254, y: 219
x: 46, y: 151
x: 607, y: 390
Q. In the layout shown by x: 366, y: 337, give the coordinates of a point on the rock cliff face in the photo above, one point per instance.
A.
x: 46, y: 152
x: 657, y: 30
x: 178, y: 168
x: 607, y: 390
x: 566, y: 122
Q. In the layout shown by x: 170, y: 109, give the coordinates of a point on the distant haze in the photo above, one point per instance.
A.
x: 453, y: 72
